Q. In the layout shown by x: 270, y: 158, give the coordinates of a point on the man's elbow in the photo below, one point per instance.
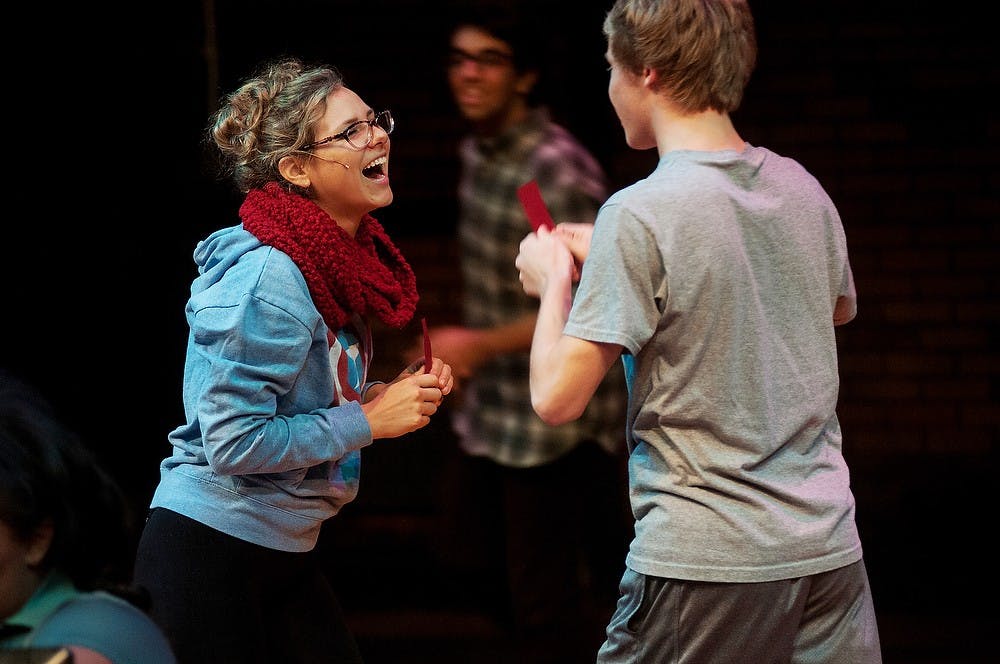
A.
x: 844, y: 310
x: 553, y: 413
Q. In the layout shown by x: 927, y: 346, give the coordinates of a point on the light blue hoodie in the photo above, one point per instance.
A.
x: 274, y: 427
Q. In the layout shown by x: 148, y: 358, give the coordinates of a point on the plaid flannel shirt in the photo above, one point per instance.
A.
x: 496, y: 418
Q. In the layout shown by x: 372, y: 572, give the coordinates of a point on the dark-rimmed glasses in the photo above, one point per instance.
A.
x: 490, y: 58
x: 355, y: 134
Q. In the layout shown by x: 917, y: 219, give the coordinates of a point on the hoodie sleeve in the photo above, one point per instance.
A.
x: 264, y: 391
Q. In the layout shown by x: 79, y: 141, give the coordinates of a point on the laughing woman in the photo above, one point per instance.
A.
x: 277, y: 400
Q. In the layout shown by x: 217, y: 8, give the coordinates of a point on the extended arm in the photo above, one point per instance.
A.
x: 565, y: 370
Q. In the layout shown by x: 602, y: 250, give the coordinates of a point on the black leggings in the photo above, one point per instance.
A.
x: 220, y: 599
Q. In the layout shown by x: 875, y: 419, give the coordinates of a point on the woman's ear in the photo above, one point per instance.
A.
x: 39, y: 544
x: 293, y: 169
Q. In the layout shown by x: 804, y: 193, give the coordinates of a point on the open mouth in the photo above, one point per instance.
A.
x: 376, y: 169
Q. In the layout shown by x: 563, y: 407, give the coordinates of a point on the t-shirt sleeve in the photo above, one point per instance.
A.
x: 622, y: 287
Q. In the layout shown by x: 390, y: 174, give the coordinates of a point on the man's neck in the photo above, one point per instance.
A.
x: 708, y: 131
x: 515, y: 113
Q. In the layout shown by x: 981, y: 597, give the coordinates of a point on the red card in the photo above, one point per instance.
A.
x: 428, y: 356
x: 534, y: 206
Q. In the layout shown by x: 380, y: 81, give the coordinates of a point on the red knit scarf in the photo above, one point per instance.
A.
x: 366, y: 274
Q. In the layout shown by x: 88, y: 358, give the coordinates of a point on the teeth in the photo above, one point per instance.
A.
x: 376, y: 162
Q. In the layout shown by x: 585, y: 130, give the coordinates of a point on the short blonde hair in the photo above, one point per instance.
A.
x: 703, y: 50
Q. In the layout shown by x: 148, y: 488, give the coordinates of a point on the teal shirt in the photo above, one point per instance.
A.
x: 58, y: 614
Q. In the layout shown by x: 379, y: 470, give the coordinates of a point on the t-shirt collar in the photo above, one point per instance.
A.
x: 56, y: 589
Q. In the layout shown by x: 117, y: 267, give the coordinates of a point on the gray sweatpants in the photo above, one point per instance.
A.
x: 827, y: 618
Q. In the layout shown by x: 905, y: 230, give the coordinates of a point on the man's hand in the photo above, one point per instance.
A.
x: 577, y: 238
x: 461, y: 347
x: 542, y: 259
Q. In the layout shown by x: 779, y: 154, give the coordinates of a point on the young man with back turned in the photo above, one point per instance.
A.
x: 718, y: 279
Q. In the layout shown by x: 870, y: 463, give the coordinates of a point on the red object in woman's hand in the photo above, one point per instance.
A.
x: 428, y: 356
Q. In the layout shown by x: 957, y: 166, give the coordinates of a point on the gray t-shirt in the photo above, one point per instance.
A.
x: 719, y: 274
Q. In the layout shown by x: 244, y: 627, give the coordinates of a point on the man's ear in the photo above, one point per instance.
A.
x: 526, y: 81
x: 650, y: 78
x: 292, y: 169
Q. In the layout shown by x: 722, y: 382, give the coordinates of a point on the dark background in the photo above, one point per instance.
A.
x: 888, y: 104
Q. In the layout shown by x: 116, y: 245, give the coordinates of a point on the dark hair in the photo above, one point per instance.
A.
x: 47, y: 474
x: 508, y: 21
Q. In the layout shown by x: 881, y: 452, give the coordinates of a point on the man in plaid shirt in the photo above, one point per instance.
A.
x: 535, y: 504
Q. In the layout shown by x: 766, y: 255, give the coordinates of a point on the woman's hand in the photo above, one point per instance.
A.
x: 404, y: 405
x: 445, y: 375
x: 407, y: 403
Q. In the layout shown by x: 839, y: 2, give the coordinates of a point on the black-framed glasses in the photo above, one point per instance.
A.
x: 359, y: 134
x: 490, y: 58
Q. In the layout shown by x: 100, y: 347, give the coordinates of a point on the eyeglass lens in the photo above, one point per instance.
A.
x: 489, y: 58
x: 360, y: 134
